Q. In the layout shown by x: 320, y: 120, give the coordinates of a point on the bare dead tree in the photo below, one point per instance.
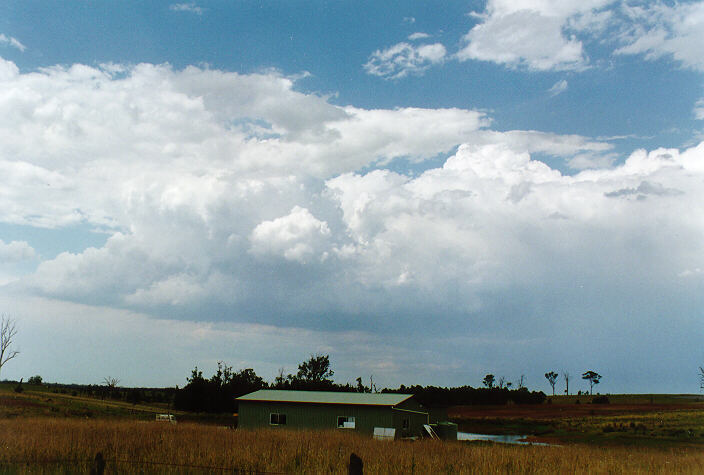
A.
x: 111, y: 382
x: 280, y: 379
x: 701, y: 377
x: 566, y: 375
x: 8, y: 330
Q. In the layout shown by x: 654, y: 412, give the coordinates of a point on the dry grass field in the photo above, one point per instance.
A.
x: 53, y: 445
x: 45, y: 432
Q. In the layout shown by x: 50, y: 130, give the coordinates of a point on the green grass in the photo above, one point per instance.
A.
x: 500, y: 426
x: 632, y: 398
x: 41, y: 400
x: 671, y: 428
x: 640, y: 420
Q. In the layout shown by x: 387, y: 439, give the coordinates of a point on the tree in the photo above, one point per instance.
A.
x: 280, y: 379
x: 361, y: 388
x: 701, y: 377
x: 244, y: 382
x: 219, y: 393
x: 488, y: 381
x: 8, y: 330
x: 35, y: 380
x: 316, y: 369
x: 566, y: 375
x: 111, y: 382
x: 521, y: 383
x: 372, y: 386
x: 593, y: 377
x: 552, y: 378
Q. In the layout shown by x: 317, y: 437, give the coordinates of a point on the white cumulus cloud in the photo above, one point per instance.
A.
x: 699, y: 109
x: 558, y: 88
x: 237, y: 197
x: 402, y: 59
x: 186, y: 7
x: 530, y: 34
x: 297, y: 236
x: 16, y: 251
x: 10, y: 41
x: 418, y: 36
x: 658, y: 29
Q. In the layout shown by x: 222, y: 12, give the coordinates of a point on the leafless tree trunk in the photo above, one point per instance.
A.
x: 8, y: 331
x: 110, y: 383
x: 566, y: 375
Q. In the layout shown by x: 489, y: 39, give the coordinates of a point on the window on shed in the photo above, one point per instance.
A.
x: 405, y: 423
x: 276, y: 419
x: 345, y: 422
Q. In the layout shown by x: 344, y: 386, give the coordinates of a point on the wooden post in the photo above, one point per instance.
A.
x: 98, y: 465
x: 356, y: 465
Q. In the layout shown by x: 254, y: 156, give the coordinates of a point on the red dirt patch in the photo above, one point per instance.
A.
x: 560, y: 411
x: 6, y: 401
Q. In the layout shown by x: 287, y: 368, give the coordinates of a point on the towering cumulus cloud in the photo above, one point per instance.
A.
x: 238, y: 198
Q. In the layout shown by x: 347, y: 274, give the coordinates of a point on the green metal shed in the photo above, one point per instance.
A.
x: 393, y: 415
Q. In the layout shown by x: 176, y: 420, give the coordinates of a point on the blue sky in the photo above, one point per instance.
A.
x: 427, y: 191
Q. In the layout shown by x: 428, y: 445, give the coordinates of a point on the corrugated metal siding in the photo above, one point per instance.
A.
x: 412, y: 405
x: 414, y: 426
x: 255, y: 414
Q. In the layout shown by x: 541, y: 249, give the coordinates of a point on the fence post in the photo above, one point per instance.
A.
x: 98, y: 465
x: 356, y: 465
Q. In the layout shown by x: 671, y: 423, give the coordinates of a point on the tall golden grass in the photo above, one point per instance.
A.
x: 36, y: 445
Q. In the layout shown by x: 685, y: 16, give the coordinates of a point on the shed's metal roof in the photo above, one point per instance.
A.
x: 325, y: 397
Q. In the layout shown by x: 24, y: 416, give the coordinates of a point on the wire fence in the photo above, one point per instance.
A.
x: 99, y: 464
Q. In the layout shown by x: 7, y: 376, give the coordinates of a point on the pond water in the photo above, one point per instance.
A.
x: 501, y: 439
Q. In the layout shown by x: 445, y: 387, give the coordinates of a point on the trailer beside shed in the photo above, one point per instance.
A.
x: 359, y: 412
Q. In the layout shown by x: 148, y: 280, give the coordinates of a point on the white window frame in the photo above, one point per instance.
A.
x: 347, y: 420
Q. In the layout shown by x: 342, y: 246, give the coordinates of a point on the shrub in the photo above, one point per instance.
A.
x: 600, y: 400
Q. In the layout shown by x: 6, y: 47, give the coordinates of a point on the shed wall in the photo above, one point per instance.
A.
x: 414, y: 423
x: 256, y: 414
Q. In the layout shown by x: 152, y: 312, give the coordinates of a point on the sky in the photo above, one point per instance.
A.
x: 426, y: 191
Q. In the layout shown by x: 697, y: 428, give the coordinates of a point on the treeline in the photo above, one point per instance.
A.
x: 218, y: 393
x: 432, y: 396
x: 131, y: 395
